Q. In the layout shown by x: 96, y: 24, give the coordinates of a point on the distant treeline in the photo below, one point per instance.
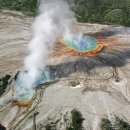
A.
x: 26, y: 6
x: 92, y: 11
x: 102, y: 11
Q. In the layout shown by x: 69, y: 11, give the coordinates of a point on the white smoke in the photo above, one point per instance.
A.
x: 54, y: 20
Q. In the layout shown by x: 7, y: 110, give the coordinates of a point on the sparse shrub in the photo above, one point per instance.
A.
x: 4, y: 83
x: 50, y: 126
x: 106, y: 124
x: 74, y: 83
x: 77, y: 121
x: 118, y: 124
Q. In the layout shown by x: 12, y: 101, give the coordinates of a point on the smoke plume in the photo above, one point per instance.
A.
x: 54, y: 20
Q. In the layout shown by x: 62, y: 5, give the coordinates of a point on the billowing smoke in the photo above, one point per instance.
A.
x: 54, y: 20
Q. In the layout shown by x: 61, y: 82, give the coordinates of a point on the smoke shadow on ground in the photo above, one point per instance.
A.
x: 111, y: 31
x: 85, y: 65
x: 116, y: 58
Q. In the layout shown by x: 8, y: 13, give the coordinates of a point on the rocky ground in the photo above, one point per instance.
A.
x: 96, y: 86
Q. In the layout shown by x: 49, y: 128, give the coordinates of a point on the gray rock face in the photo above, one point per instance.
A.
x: 96, y: 86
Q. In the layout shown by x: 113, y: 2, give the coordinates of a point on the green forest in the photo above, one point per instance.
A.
x: 92, y: 11
x: 103, y: 11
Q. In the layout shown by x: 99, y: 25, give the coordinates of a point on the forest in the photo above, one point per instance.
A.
x: 92, y: 11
